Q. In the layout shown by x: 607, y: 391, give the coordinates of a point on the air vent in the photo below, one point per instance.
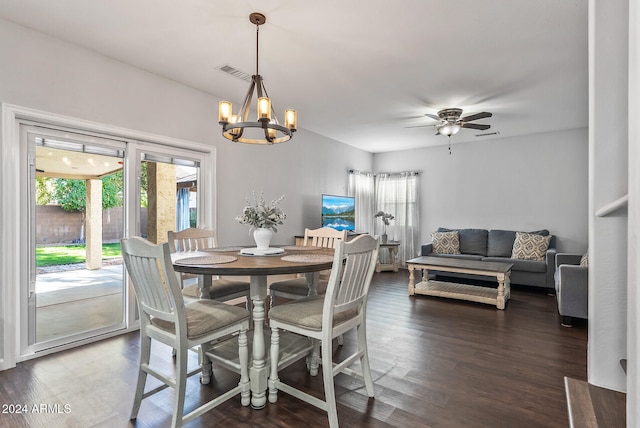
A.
x: 486, y: 134
x: 235, y: 72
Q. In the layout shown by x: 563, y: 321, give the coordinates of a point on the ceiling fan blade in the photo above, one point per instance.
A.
x: 475, y: 126
x: 476, y: 116
x: 420, y: 126
x: 433, y: 116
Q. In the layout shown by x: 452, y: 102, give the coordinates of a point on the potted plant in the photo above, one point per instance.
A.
x: 385, y: 217
x: 263, y: 219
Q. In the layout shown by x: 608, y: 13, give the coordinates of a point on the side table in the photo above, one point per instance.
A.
x: 392, y: 250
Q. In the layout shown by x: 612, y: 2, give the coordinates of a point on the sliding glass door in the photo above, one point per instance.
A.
x: 77, y: 211
x: 82, y: 192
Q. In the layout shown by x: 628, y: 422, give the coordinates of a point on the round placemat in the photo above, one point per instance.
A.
x: 308, y: 258
x: 301, y: 248
x: 206, y: 260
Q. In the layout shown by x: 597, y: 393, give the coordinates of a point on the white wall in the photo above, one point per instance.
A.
x: 608, y: 181
x: 524, y: 183
x: 302, y: 168
x: 633, y: 294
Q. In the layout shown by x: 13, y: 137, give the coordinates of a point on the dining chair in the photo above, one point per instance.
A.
x: 322, y: 319
x: 296, y: 288
x: 194, y: 239
x: 164, y: 317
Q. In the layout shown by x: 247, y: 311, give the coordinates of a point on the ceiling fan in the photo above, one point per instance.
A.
x: 450, y: 122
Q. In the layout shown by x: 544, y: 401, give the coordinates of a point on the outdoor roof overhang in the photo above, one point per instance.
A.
x: 58, y: 163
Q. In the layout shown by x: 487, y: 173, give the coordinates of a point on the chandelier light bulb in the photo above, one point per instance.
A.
x: 264, y: 109
x: 270, y: 131
x: 224, y: 111
x: 291, y: 119
x: 234, y: 119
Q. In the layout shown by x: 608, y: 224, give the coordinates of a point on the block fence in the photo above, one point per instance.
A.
x: 57, y: 226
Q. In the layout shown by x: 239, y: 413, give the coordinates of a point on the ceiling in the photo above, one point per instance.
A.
x: 360, y: 72
x: 78, y: 165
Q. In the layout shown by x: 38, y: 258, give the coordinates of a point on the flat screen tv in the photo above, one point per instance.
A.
x: 339, y: 212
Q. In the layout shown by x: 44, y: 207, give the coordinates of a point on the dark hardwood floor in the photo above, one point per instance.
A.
x: 435, y: 363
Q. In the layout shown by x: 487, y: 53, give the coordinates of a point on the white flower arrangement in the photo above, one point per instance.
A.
x: 261, y: 215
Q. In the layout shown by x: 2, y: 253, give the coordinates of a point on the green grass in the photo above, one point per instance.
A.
x: 68, y: 254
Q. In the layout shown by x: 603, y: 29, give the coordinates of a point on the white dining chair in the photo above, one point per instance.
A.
x: 165, y: 317
x: 323, y: 318
x: 296, y: 288
x: 194, y: 239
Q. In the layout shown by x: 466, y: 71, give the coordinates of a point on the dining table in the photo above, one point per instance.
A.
x: 258, y: 265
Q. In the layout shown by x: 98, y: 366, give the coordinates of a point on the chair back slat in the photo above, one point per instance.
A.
x: 354, y: 263
x: 354, y: 285
x: 191, y: 239
x: 153, y: 278
x: 325, y: 237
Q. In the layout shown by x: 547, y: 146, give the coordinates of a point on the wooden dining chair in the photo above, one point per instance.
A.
x: 194, y: 239
x: 322, y: 319
x: 296, y: 288
x: 165, y: 317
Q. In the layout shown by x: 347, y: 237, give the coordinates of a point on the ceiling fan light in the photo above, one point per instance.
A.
x: 449, y: 129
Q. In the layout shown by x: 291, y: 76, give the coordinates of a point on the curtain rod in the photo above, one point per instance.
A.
x: 388, y: 174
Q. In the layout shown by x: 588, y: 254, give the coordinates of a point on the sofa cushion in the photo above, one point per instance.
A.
x: 520, y: 265
x: 530, y: 246
x: 500, y: 243
x: 446, y: 242
x: 542, y: 232
x: 472, y: 241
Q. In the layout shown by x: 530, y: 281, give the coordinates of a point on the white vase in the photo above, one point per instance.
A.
x: 262, y: 236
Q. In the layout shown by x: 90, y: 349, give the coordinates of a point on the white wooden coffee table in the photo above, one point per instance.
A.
x: 498, y: 270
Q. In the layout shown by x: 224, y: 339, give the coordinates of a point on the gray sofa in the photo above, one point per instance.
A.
x: 496, y: 246
x: 572, y: 287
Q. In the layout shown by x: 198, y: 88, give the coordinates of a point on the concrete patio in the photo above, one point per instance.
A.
x: 73, y: 299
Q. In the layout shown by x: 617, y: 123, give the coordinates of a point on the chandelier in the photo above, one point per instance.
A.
x: 266, y: 129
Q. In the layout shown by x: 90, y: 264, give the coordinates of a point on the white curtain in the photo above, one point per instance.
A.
x: 361, y: 185
x: 397, y: 194
x: 182, y: 209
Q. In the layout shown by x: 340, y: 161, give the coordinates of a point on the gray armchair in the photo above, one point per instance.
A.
x: 572, y: 290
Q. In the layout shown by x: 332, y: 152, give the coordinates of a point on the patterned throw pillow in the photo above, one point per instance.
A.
x: 584, y: 261
x: 446, y: 242
x: 530, y: 246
